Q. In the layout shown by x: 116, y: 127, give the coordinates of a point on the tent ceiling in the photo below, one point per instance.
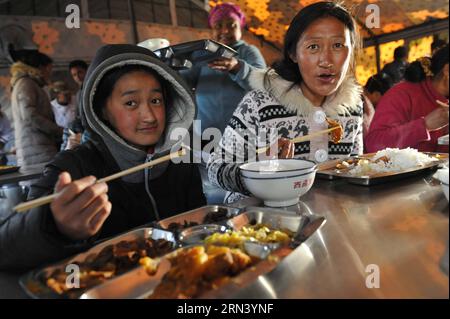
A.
x: 270, y: 18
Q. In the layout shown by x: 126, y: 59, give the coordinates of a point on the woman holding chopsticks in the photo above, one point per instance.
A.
x: 130, y: 103
x: 314, y: 81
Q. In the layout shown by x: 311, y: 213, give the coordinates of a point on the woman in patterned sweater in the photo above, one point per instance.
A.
x: 312, y: 82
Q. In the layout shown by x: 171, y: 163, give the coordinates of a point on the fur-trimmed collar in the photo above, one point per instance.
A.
x: 19, y: 70
x: 346, y: 99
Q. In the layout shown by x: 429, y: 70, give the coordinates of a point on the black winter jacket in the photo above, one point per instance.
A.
x: 32, y: 239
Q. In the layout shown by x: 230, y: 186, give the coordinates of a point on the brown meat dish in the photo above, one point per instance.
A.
x: 338, y: 133
x: 347, y: 164
x: 198, y: 269
x: 215, y: 217
x: 177, y: 227
x: 210, y: 218
x: 111, y: 261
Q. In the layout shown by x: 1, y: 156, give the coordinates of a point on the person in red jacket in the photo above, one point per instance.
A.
x: 408, y: 115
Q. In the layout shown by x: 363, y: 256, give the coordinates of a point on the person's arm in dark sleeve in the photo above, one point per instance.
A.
x: 31, y: 239
x: 191, y: 76
x: 196, y: 197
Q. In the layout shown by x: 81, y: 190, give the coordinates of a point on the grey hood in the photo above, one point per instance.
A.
x: 182, y: 116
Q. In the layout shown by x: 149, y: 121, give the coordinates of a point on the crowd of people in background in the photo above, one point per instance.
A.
x: 46, y: 117
x: 128, y: 101
x: 44, y: 127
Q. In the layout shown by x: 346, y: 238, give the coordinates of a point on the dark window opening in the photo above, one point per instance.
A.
x: 149, y: 11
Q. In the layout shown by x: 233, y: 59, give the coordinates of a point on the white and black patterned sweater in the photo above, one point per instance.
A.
x: 284, y: 109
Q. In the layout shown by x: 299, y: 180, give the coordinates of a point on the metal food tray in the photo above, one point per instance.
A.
x: 303, y: 226
x: 443, y: 140
x: 198, y: 215
x: 34, y: 286
x: 142, y: 285
x: 197, y: 234
x: 139, y: 284
x: 275, y: 219
x: 196, y: 52
x: 328, y: 171
x: 5, y: 169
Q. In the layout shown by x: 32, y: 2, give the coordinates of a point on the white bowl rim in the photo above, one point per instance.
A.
x: 280, y: 159
x: 279, y: 177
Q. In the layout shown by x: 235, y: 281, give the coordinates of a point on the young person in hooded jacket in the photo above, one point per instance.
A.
x: 130, y: 103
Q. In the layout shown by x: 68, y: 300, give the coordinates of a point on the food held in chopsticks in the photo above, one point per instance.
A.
x: 338, y: 132
x: 197, y: 270
x: 387, y: 160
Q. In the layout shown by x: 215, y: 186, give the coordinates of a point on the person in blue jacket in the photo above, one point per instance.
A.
x: 221, y: 84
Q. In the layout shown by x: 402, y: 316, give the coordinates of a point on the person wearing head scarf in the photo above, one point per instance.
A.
x: 221, y: 84
x: 131, y: 103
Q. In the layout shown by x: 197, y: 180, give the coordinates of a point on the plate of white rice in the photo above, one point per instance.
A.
x: 384, y: 166
x: 392, y: 160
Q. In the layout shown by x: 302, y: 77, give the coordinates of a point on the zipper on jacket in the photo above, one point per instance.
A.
x: 147, y: 188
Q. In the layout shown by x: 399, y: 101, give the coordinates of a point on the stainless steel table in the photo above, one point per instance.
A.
x: 22, y: 175
x: 402, y: 228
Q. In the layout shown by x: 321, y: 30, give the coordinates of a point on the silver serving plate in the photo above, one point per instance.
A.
x: 443, y: 140
x: 137, y: 283
x: 197, y: 234
x: 34, y: 286
x: 329, y: 171
x: 275, y: 219
x: 198, y: 216
x: 143, y: 286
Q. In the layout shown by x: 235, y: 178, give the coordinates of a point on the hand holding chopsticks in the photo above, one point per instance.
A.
x: 438, y: 118
x: 303, y: 138
x: 442, y: 103
x: 48, y: 199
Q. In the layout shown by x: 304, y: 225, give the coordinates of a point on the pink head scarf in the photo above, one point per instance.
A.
x: 226, y: 10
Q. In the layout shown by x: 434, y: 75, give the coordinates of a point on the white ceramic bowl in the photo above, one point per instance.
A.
x: 154, y: 44
x: 284, y: 186
x: 280, y: 167
x: 442, y: 176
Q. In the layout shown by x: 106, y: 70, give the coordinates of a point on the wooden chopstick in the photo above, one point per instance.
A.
x: 441, y: 103
x: 48, y: 199
x: 301, y: 138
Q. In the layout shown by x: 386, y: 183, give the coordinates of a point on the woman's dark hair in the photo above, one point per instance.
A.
x: 437, y: 44
x: 380, y: 82
x: 287, y: 68
x: 78, y: 63
x: 106, y: 86
x: 420, y: 69
x: 400, y: 53
x: 32, y: 58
